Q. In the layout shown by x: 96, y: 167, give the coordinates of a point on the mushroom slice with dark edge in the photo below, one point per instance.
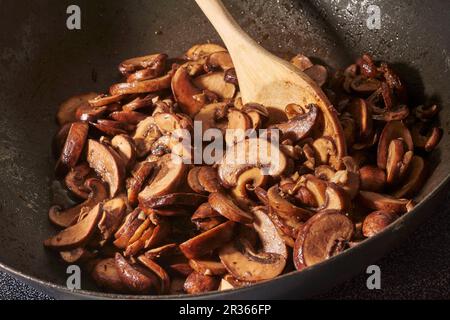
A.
x: 392, y: 130
x: 221, y: 60
x: 106, y: 276
x: 201, y: 50
x: 377, y: 221
x: 113, y: 213
x: 73, y: 146
x: 129, y: 117
x: 136, y: 279
x: 205, y: 217
x: 238, y: 124
x: 161, y: 252
x: 173, y: 199
x: 248, y: 181
x: 169, y: 171
x: 323, y: 236
x: 68, y: 217
x: 145, y: 86
x: 208, y: 267
x: 302, y: 62
x: 426, y: 140
x: 78, y: 234
x: 146, y: 134
x: 193, y: 181
x: 336, y: 198
x: 372, y: 178
x: 124, y: 145
x: 159, y: 271
x: 67, y: 109
x: 397, y: 162
x: 413, y: 179
x: 212, y: 116
x: 104, y: 100
x: 199, y: 283
x: 208, y: 179
x: 299, y: 126
x: 208, y: 241
x: 76, y: 178
x: 225, y: 205
x: 250, y: 153
x: 128, y: 228
x: 377, y: 201
x: 362, y: 115
x: 153, y: 61
x: 107, y: 164
x: 243, y: 263
x: 215, y: 82
x: 136, y: 182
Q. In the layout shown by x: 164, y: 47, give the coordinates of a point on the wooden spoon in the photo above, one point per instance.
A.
x: 267, y: 79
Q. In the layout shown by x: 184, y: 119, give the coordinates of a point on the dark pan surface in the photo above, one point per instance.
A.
x: 43, y: 63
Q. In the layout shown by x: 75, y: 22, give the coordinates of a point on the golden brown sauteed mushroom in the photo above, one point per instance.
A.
x: 180, y: 186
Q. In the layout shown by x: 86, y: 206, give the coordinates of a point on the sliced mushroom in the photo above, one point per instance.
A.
x: 193, y: 181
x: 208, y: 179
x: 155, y: 62
x: 426, y: 113
x: 129, y: 117
x: 413, y: 179
x: 349, y: 178
x: 399, y: 113
x: 427, y: 141
x: 377, y: 221
x: 215, y: 82
x: 318, y: 73
x: 145, y: 86
x: 134, y: 277
x: 398, y: 160
x: 392, y: 130
x: 106, y: 275
x: 372, y: 178
x: 128, y: 228
x: 140, y: 102
x: 245, y: 264
x: 124, y: 145
x: 113, y: 212
x: 299, y: 126
x: 169, y: 122
x: 336, y: 199
x: 77, y: 255
x: 77, y: 235
x: 169, y: 171
x: 208, y: 267
x: 323, y: 236
x: 76, y: 178
x: 208, y: 241
x: 221, y: 60
x: 86, y: 112
x: 324, y: 172
x: 367, y: 66
x: 325, y: 152
x: 68, y: 217
x: 248, y: 181
x: 67, y: 109
x: 73, y: 146
x: 136, y: 182
x: 224, y: 204
x: 104, y: 100
x: 182, y: 199
x: 364, y: 85
x: 201, y: 50
x: 206, y: 218
x: 302, y: 62
x: 362, y: 115
x: 212, y: 115
x: 316, y: 186
x: 377, y: 201
x: 107, y: 164
x: 159, y: 271
x: 146, y: 134
x: 161, y: 252
x: 251, y: 153
x: 238, y: 124
x: 200, y: 283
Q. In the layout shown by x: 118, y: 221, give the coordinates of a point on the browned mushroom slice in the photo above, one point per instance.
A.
x: 248, y: 181
x: 107, y: 164
x: 349, y: 178
x: 145, y: 86
x: 426, y: 113
x: 398, y: 160
x: 362, y: 114
x: 159, y: 271
x: 336, y: 199
x: 173, y: 199
x: 124, y: 145
x: 215, y: 82
x: 291, y: 216
x: 217, y: 60
x: 238, y: 124
x: 76, y: 178
x: 109, y: 128
x: 128, y: 228
x: 155, y: 62
x: 317, y: 187
x: 86, y: 112
x: 245, y: 264
x: 211, y: 116
x: 426, y: 140
x: 161, y: 252
x: 77, y: 255
x: 78, y: 234
x: 208, y: 179
x: 201, y: 50
x: 169, y: 171
x: 392, y: 130
x: 67, y: 109
x: 193, y: 181
x: 414, y: 178
x: 106, y: 276
x: 183, y: 269
x: 66, y: 218
x: 377, y: 221
x: 199, y: 283
x: 298, y: 127
x: 250, y: 153
x: 136, y: 279
x: 399, y: 113
x: 146, y: 134
x: 73, y: 146
x: 372, y: 178
x: 135, y: 183
x: 104, y: 100
x: 208, y: 241
x: 224, y: 204
x: 377, y: 201
x: 205, y: 217
x: 324, y: 172
x: 169, y: 122
x: 188, y: 96
x: 140, y: 102
x: 364, y: 85
x: 129, y: 117
x: 208, y: 267
x: 367, y: 66
x: 113, y: 213
x: 318, y: 73
x: 302, y: 62
x: 323, y: 236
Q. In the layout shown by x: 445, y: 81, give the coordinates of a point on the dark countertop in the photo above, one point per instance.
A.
x: 417, y: 269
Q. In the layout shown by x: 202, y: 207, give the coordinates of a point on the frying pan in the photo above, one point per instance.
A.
x: 42, y: 63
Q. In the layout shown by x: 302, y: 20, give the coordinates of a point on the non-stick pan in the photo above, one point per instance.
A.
x: 42, y: 63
